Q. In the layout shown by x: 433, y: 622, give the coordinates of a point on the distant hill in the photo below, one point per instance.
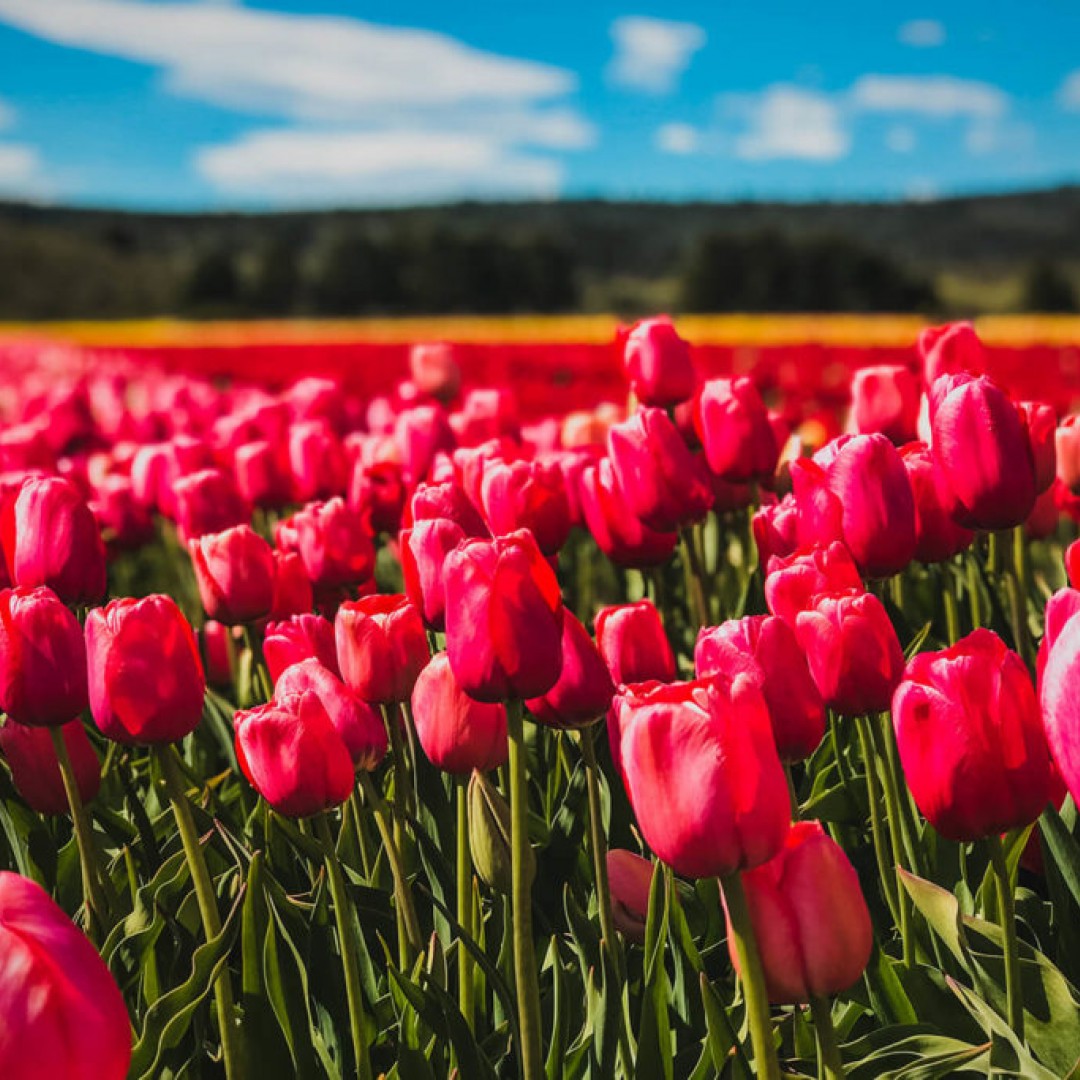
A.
x: 994, y: 252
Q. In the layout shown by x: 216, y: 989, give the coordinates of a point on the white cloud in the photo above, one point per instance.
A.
x: 789, y: 122
x: 677, y: 138
x: 997, y: 137
x: 389, y: 167
x: 1068, y: 95
x: 652, y: 54
x: 922, y: 33
x: 7, y: 115
x: 901, y: 139
x: 930, y: 95
x: 21, y: 172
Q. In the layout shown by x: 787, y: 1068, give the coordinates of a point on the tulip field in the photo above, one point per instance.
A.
x: 545, y: 700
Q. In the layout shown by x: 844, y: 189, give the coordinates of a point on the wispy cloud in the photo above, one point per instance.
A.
x: 922, y: 33
x: 652, y: 54
x: 1068, y: 95
x: 22, y: 171
x: 677, y: 138
x: 788, y: 122
x: 930, y: 95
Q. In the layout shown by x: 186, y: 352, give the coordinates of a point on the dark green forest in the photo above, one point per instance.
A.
x: 946, y: 257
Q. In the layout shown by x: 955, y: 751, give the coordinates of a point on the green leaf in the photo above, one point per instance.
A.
x: 654, y: 1043
x: 1064, y: 850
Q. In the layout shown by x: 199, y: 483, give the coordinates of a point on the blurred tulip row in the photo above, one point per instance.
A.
x: 708, y: 735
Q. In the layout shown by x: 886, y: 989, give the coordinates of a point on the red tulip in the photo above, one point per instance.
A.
x: 584, y: 689
x: 293, y: 757
x: 358, y: 723
x: 776, y: 529
x: 261, y: 476
x: 420, y: 433
x: 42, y: 658
x: 457, y: 733
x: 949, y: 350
x: 234, y: 570
x: 208, y: 502
x: 125, y: 524
x: 981, y: 444
x: 216, y: 650
x: 853, y: 652
x: 503, y: 618
x: 938, y: 535
x: 424, y: 548
x: 765, y: 649
x: 293, y: 594
x: 335, y: 544
x: 1041, y: 423
x: 435, y: 370
x: 146, y: 678
x: 630, y: 880
x: 378, y: 491
x: 316, y: 461
x: 633, y: 643
x: 64, y: 1016
x: 793, y: 583
x: 50, y: 537
x: 810, y: 920
x: 447, y: 500
x: 885, y: 399
x: 971, y: 740
x: 657, y: 362
x: 1057, y: 690
x: 32, y: 757
x: 1067, y: 452
x: 660, y: 480
x: 381, y: 647
x: 733, y: 424
x: 701, y: 770
x: 302, y: 636
x: 527, y: 495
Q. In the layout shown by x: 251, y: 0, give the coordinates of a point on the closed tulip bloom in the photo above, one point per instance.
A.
x: 457, y: 733
x: 293, y: 757
x: 1057, y: 692
x: 776, y: 529
x: 971, y: 740
x: 633, y: 643
x: 733, y: 424
x: 701, y: 771
x: 793, y: 583
x: 125, y: 524
x: 503, y: 618
x: 622, y: 537
x: 1067, y: 446
x: 378, y: 491
x: 938, y: 535
x: 424, y: 548
x: 1041, y: 422
x: 657, y: 362
x: 435, y: 370
x: 216, y: 650
x: 630, y: 880
x: 765, y: 649
x: 50, y: 537
x: 358, y: 723
x: 448, y: 500
x: 208, y: 502
x: 527, y: 495
x: 146, y: 678
x: 853, y: 651
x: 235, y: 573
x: 42, y: 658
x: 810, y: 919
x: 981, y: 443
x: 584, y: 689
x: 885, y: 399
x: 293, y: 594
x: 64, y: 1016
x: 261, y: 476
x: 381, y: 647
x: 302, y: 636
x: 949, y: 350
x: 420, y: 433
x: 36, y: 772
x: 660, y: 480
x: 335, y: 544
x: 1045, y: 514
x: 316, y: 461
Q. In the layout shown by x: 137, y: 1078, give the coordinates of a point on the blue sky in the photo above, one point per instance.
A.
x: 285, y: 103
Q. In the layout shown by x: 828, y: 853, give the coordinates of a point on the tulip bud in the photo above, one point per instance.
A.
x: 208, y: 502
x: 146, y: 679
x: 216, y: 651
x: 50, y: 537
x: 378, y: 491
x: 885, y: 399
x: 234, y: 570
x: 316, y: 461
x: 288, y: 642
x: 42, y: 658
x: 776, y: 529
x: 660, y: 480
x: 982, y: 446
x: 853, y: 652
x: 293, y: 757
x: 657, y: 362
x: 32, y: 757
x: 949, y: 350
x: 503, y: 618
x: 938, y: 535
x: 1041, y: 423
x: 125, y: 524
x: 701, y: 771
x: 970, y: 738
x: 64, y: 1016
x: 733, y: 424
x: 447, y: 500
x: 633, y: 643
x: 334, y: 543
x: 526, y: 495
x: 630, y: 880
x: 810, y: 919
x: 765, y: 649
x: 584, y: 689
x: 424, y: 548
x: 260, y: 475
x: 434, y: 370
x: 793, y: 582
x: 381, y: 647
x: 489, y: 836
x: 293, y: 594
x: 457, y: 733
x: 1067, y: 448
x: 420, y: 433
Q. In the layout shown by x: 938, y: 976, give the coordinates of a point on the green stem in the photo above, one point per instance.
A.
x: 464, y: 902
x: 1006, y: 903
x: 887, y: 874
x: 349, y: 962
x: 208, y: 908
x: 973, y: 590
x: 832, y: 1065
x: 525, y: 972
x: 699, y: 607
x: 908, y: 823
x: 97, y: 908
x: 752, y: 978
x: 401, y: 882
x: 793, y: 796
x: 952, y: 608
